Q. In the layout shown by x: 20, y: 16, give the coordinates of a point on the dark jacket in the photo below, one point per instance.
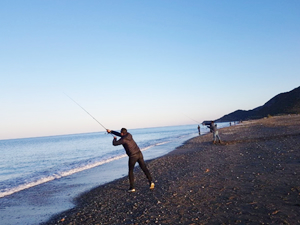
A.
x: 128, y: 143
x: 212, y: 127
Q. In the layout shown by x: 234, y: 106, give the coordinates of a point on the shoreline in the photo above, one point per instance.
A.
x: 252, y: 177
x: 39, y: 203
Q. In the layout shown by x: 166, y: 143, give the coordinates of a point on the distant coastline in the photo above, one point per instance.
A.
x: 282, y: 104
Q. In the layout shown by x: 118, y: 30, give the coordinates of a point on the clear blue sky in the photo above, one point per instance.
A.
x: 138, y: 64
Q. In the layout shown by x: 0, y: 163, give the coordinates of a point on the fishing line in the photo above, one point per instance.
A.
x: 192, y: 119
x: 86, y: 111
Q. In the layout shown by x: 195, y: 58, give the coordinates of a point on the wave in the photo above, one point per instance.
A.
x: 157, y: 144
x: 58, y: 175
x: 41, y: 178
x: 9, y: 191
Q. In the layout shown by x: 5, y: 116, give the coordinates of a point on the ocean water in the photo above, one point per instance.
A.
x: 35, y: 162
x: 32, y: 161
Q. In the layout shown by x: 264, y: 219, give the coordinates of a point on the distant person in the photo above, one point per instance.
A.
x: 199, y: 130
x: 213, y: 129
x: 134, y: 153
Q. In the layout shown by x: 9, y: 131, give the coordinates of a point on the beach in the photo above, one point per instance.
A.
x: 252, y: 177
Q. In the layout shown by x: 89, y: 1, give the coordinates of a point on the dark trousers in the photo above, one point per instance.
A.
x: 140, y: 159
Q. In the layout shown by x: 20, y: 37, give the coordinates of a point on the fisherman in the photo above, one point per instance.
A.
x: 213, y: 129
x: 199, y: 130
x: 134, y: 153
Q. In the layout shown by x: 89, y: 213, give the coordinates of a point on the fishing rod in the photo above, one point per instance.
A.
x: 86, y: 111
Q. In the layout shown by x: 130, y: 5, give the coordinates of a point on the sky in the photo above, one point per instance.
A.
x: 138, y: 64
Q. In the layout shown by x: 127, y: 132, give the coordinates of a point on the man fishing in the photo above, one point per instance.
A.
x: 132, y: 150
x: 213, y: 129
x: 134, y: 153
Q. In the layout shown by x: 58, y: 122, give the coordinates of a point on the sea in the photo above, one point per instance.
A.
x: 41, y: 176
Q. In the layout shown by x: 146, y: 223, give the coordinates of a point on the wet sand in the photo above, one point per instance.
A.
x: 252, y: 177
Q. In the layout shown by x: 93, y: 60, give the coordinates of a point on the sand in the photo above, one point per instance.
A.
x: 252, y: 177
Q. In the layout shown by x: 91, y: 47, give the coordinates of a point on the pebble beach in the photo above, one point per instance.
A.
x: 252, y: 177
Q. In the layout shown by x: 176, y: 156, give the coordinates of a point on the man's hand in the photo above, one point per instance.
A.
x: 108, y: 131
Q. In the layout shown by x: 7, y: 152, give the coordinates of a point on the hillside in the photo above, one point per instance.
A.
x: 281, y: 104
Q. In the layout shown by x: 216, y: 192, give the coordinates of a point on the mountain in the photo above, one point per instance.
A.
x: 281, y: 104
